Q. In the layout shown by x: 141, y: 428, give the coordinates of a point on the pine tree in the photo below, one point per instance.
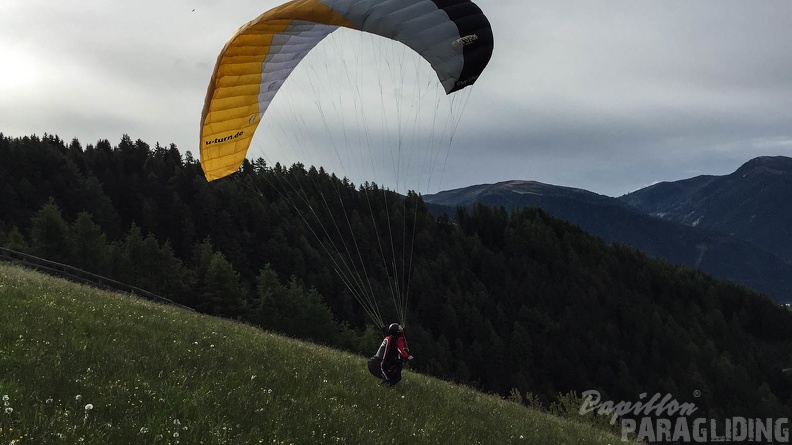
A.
x: 49, y: 234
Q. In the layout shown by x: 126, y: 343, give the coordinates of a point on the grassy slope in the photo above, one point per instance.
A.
x: 153, y: 374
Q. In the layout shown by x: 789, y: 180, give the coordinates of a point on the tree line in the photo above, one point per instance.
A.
x: 503, y: 301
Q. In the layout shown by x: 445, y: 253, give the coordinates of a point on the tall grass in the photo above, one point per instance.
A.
x: 80, y: 365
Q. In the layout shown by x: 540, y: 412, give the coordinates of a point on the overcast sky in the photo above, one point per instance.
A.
x: 609, y: 96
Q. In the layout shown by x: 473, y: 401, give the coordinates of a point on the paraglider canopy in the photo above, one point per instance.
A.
x: 454, y: 36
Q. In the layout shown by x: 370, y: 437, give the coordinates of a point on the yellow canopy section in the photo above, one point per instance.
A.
x: 248, y: 73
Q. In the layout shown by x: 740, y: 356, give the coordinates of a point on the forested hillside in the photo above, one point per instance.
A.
x: 715, y: 253
x: 497, y: 300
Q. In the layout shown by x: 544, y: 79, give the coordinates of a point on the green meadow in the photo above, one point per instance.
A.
x: 85, y: 366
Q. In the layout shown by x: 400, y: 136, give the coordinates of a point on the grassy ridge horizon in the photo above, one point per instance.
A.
x: 82, y: 365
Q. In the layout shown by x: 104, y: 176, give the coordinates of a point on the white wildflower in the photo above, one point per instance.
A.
x: 9, y: 410
x: 88, y: 407
x: 78, y: 397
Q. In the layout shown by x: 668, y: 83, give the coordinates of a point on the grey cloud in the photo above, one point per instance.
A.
x: 609, y: 95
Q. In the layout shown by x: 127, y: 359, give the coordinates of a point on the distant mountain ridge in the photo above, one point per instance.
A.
x: 752, y: 204
x: 661, y: 220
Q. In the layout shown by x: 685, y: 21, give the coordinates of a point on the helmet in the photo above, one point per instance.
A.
x: 395, y: 329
